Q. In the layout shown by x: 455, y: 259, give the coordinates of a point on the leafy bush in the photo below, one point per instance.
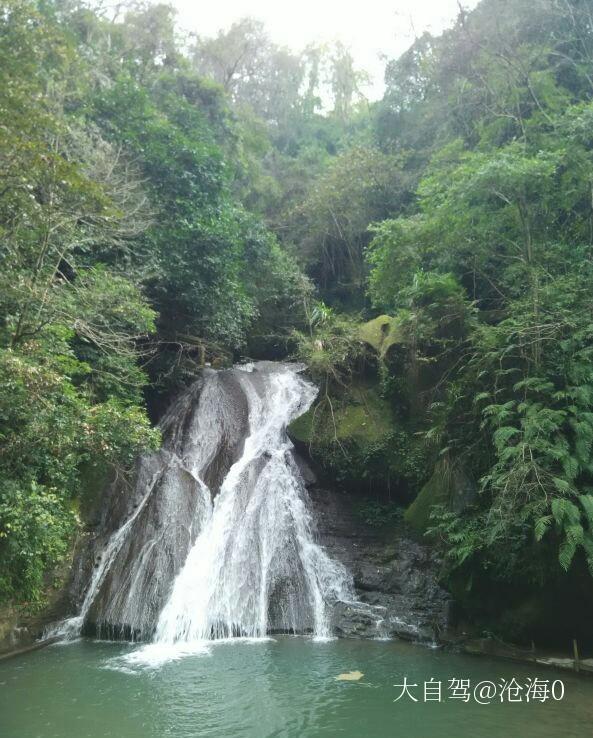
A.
x: 36, y: 525
x: 50, y: 428
x: 332, y: 347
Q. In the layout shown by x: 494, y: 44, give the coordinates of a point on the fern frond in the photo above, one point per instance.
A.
x: 541, y: 526
x: 566, y: 554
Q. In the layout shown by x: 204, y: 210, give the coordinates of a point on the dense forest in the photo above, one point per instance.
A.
x: 169, y: 201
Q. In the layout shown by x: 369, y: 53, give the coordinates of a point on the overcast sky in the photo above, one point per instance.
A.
x: 371, y: 28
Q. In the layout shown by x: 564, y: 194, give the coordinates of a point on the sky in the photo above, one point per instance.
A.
x: 372, y: 29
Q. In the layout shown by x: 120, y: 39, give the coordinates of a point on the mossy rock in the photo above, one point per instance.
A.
x: 381, y: 334
x: 448, y: 486
x: 365, y: 418
x: 301, y: 429
x: 361, y: 416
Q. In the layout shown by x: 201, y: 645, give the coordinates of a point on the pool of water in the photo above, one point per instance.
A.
x: 280, y: 688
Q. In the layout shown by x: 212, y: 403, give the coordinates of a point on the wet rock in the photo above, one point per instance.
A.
x: 395, y: 578
x: 307, y: 473
x: 355, y: 621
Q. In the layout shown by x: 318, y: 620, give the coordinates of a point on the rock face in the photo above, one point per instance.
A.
x: 394, y: 576
x: 214, y: 538
x: 146, y: 530
x: 123, y: 575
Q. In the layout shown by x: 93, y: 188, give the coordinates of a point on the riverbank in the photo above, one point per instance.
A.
x: 493, y: 648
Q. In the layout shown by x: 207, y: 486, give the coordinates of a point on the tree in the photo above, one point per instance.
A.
x: 358, y: 186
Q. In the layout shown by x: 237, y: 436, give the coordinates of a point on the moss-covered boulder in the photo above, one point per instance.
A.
x: 448, y: 486
x: 301, y: 429
x: 381, y: 334
x: 357, y: 442
x: 360, y: 416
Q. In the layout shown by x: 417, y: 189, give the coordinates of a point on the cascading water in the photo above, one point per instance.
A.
x: 218, y: 541
x: 255, y: 565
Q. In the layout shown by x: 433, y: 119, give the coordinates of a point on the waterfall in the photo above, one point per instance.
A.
x: 217, y: 539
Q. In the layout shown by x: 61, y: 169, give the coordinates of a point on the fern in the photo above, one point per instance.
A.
x: 561, y: 485
x: 565, y: 512
x: 504, y: 434
x: 588, y: 548
x: 566, y: 554
x: 586, y: 502
x: 542, y: 526
x: 570, y: 466
x: 575, y: 534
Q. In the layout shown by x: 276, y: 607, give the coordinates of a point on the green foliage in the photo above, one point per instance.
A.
x: 395, y: 255
x: 332, y: 348
x: 377, y: 515
x: 35, y: 526
x: 150, y: 217
x: 123, y: 246
x: 331, y: 224
x: 488, y: 275
x: 209, y: 255
x: 50, y: 426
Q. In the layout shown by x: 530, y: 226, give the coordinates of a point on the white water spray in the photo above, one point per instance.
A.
x: 249, y: 564
x: 255, y: 565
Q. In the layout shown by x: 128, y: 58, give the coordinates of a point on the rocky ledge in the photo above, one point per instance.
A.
x: 395, y: 576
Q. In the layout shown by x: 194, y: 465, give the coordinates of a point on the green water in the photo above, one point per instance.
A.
x: 285, y: 688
